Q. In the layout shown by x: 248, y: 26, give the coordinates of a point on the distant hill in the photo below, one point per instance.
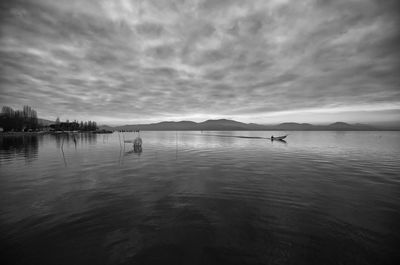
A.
x: 222, y: 125
x: 342, y: 126
x: 161, y: 126
x: 44, y: 122
x: 295, y: 126
x: 231, y: 125
x: 106, y: 127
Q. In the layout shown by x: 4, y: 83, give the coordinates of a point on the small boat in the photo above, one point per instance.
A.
x: 279, y: 138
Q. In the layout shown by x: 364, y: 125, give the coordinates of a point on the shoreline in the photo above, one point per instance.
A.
x: 45, y: 133
x: 22, y: 133
x: 3, y: 134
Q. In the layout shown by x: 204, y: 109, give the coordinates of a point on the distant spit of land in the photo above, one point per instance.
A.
x: 231, y: 125
x: 221, y: 125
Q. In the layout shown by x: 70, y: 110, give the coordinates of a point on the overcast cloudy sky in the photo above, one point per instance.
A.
x: 137, y: 61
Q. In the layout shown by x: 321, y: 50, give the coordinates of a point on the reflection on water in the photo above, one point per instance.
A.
x: 191, y: 198
x: 75, y: 139
x: 279, y: 141
x: 19, y: 146
x: 137, y: 149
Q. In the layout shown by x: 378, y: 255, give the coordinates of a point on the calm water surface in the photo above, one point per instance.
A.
x: 192, y: 198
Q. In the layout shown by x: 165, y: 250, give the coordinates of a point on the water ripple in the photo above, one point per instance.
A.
x: 321, y: 198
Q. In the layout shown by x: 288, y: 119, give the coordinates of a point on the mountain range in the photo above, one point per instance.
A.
x: 231, y: 125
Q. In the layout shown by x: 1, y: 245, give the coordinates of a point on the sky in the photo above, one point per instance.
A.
x: 143, y: 61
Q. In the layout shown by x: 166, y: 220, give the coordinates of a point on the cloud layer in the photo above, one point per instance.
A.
x: 256, y: 61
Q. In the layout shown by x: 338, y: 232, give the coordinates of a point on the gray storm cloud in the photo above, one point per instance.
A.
x: 137, y: 61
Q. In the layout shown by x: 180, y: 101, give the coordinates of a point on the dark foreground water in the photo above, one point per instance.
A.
x: 192, y: 198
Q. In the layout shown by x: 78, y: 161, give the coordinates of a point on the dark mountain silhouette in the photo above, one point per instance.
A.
x: 222, y: 125
x: 231, y: 125
x: 342, y: 126
x: 294, y: 126
x: 106, y: 127
x: 45, y: 122
x: 161, y: 126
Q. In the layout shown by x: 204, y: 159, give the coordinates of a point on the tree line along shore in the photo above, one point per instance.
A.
x: 26, y: 121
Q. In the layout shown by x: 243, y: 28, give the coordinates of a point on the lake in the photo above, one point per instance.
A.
x: 201, y: 198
